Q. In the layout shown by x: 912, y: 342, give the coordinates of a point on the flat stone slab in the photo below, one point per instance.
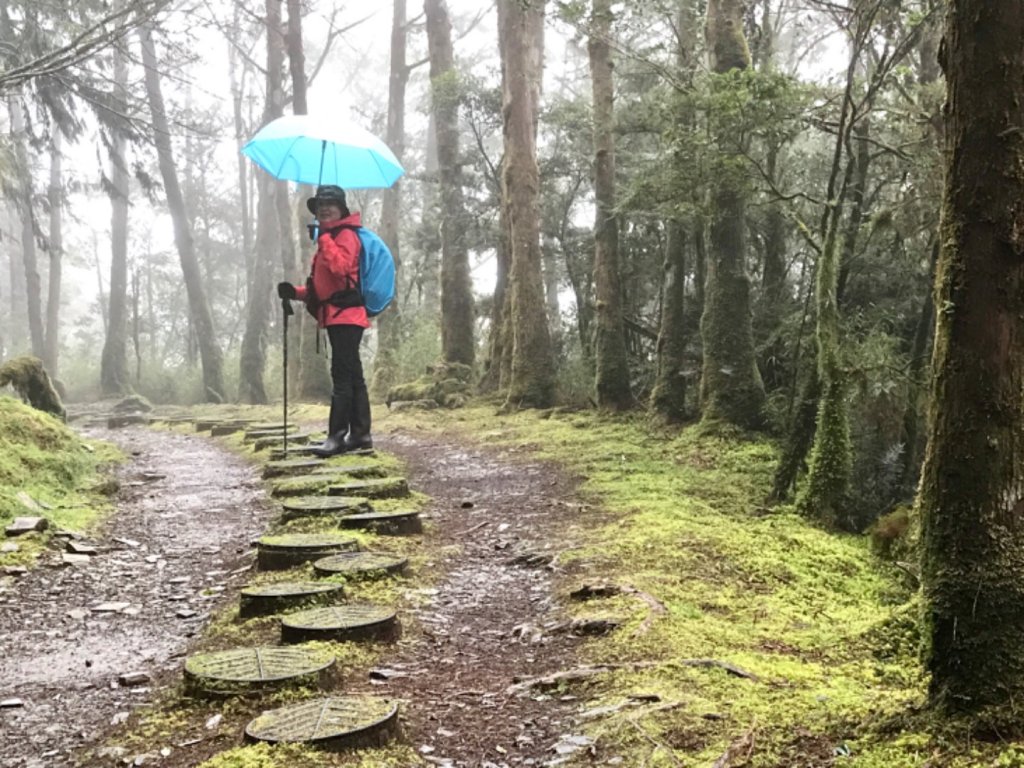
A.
x: 112, y: 607
x: 291, y: 467
x: 253, y: 670
x: 68, y: 558
x: 384, y: 523
x: 379, y: 488
x: 334, y: 724
x: 321, y: 479
x: 366, y: 469
x: 77, y: 548
x: 340, y: 623
x: 322, y: 506
x: 360, y: 565
x: 295, y: 443
x: 268, y: 599
x: 22, y: 525
x: 276, y: 553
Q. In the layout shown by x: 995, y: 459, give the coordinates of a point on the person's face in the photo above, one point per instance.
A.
x: 328, y: 210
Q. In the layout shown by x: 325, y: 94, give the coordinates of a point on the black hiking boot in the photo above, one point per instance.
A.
x: 337, y: 427
x: 358, y: 437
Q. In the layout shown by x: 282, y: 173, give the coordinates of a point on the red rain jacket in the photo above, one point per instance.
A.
x: 336, y: 268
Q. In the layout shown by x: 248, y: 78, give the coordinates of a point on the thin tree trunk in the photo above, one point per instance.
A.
x: 972, y: 489
x: 457, y: 314
x: 199, y: 306
x: 33, y: 284
x: 114, y: 365
x: 611, y: 364
x: 56, y: 195
x: 731, y: 386
x: 385, y: 364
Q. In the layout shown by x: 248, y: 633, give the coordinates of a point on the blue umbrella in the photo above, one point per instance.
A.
x: 314, y: 150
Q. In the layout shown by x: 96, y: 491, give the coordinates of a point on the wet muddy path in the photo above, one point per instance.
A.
x: 187, y: 511
x: 178, y: 548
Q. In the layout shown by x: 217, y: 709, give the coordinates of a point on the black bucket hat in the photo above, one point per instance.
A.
x: 326, y: 192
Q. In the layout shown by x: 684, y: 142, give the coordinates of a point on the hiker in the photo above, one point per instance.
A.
x: 332, y: 296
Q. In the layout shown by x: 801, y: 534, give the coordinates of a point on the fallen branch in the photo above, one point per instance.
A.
x: 474, y: 528
x: 657, y: 608
x: 547, y: 682
x: 742, y: 748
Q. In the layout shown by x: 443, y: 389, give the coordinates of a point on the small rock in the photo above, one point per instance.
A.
x: 8, y: 548
x: 119, y: 718
x: 129, y: 679
x: 11, y: 703
x: 23, y: 525
x: 68, y: 559
x: 13, y: 570
x: 77, y: 548
x: 213, y: 722
x: 185, y: 613
x: 127, y: 542
x: 131, y: 610
x: 178, y: 580
x: 467, y: 505
x: 77, y: 614
x: 110, y: 607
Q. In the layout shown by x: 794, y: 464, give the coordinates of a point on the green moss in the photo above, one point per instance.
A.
x: 295, y: 756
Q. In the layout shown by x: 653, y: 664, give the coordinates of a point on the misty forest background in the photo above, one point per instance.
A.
x: 706, y: 210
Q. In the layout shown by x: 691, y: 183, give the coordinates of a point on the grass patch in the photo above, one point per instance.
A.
x: 824, y: 626
x: 43, y: 462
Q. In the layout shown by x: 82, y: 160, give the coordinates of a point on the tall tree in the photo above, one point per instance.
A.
x: 457, y: 316
x: 33, y: 285
x: 532, y: 380
x: 114, y: 363
x: 972, y: 502
x: 56, y: 198
x: 199, y: 305
x: 611, y: 364
x: 385, y: 364
x: 731, y: 386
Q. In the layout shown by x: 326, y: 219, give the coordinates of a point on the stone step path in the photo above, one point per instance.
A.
x: 339, y: 494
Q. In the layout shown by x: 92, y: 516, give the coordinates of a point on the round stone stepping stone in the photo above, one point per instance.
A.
x: 336, y: 723
x: 268, y: 599
x: 322, y: 506
x: 341, y: 623
x: 380, y: 488
x: 360, y: 565
x: 275, y: 553
x: 384, y: 523
x: 290, y: 467
x: 253, y: 670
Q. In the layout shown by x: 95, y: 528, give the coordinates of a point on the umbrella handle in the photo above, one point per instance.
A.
x: 323, y: 152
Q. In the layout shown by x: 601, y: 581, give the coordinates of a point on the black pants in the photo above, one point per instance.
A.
x: 346, y: 367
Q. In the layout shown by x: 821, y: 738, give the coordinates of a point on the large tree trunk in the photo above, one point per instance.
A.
x: 33, y: 284
x: 56, y: 195
x: 972, y: 490
x: 731, y: 386
x: 532, y: 382
x: 199, y: 306
x: 114, y: 363
x: 457, y: 316
x: 668, y: 397
x: 611, y: 364
x: 385, y: 364
x: 268, y: 229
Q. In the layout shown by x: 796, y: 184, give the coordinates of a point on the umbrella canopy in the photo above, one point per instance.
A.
x: 314, y: 150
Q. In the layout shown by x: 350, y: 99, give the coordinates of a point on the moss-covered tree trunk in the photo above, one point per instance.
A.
x: 668, y: 397
x: 199, y: 305
x: 457, y: 315
x: 972, y: 490
x: 532, y: 380
x: 731, y: 386
x: 113, y: 360
x: 388, y: 324
x: 611, y: 363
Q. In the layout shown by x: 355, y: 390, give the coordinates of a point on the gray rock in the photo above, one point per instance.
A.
x: 11, y: 703
x: 77, y: 548
x: 129, y: 679
x: 8, y: 548
x: 75, y: 559
x: 22, y: 525
x: 110, y: 607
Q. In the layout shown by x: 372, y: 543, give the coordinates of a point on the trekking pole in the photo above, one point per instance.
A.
x: 286, y: 305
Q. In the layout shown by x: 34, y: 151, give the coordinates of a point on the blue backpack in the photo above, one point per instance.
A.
x: 376, y: 271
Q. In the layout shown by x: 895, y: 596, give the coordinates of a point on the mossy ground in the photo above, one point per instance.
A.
x: 815, y: 616
x: 43, y: 459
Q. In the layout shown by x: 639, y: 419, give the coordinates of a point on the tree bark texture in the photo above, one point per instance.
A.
x: 731, y: 386
x: 33, y: 284
x: 532, y: 382
x: 611, y: 364
x: 114, y: 379
x: 457, y: 313
x: 972, y: 491
x: 199, y: 305
x: 385, y: 364
x: 56, y: 196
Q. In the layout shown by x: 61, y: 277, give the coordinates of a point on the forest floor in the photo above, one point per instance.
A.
x: 172, y: 557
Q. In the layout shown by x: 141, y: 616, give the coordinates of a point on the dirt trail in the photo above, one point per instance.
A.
x: 186, y: 514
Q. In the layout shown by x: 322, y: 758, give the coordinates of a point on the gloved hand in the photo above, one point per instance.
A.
x: 314, y: 231
x: 286, y: 291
